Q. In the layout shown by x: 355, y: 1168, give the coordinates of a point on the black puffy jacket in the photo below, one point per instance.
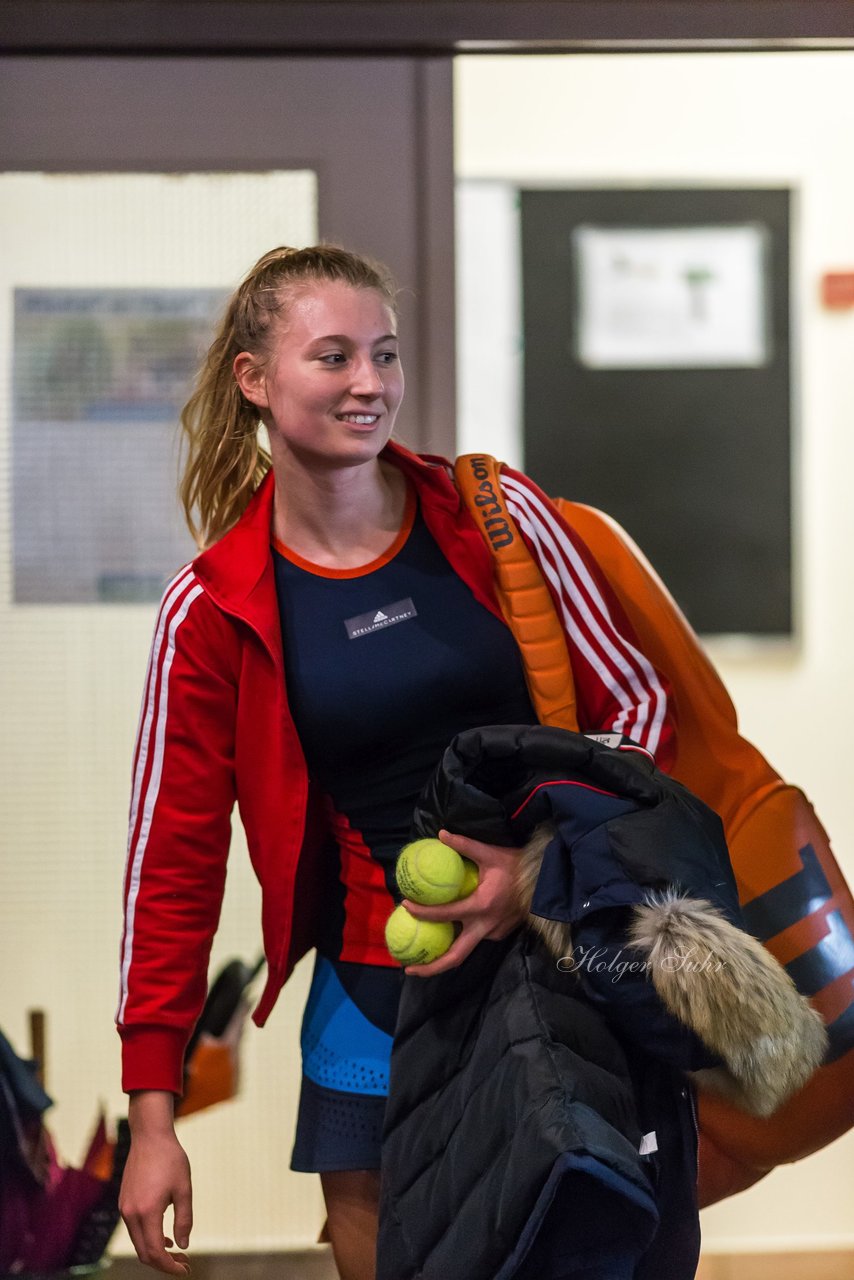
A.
x: 539, y: 1122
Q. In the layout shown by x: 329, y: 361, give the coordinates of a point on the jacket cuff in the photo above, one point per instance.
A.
x: 153, y: 1058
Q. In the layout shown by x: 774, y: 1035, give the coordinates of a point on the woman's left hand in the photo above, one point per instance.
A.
x: 491, y: 911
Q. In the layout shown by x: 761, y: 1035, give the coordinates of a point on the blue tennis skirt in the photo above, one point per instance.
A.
x: 347, y: 1032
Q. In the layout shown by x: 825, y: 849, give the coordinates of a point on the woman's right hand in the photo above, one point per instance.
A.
x: 156, y: 1175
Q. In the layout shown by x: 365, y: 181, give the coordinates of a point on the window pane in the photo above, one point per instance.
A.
x: 108, y: 282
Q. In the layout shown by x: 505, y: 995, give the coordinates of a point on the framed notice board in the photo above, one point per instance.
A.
x: 657, y: 383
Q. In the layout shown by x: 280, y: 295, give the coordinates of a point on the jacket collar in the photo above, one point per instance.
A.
x: 427, y: 471
x: 237, y: 571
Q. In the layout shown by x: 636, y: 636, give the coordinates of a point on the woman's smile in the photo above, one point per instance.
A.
x: 360, y: 419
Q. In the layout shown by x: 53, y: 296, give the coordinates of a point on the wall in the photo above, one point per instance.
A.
x: 70, y: 686
x: 725, y: 119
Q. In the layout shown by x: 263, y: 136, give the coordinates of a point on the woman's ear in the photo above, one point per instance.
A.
x: 250, y: 376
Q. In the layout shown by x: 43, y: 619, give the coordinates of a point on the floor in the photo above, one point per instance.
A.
x: 316, y: 1264
x: 778, y: 1266
x: 307, y: 1264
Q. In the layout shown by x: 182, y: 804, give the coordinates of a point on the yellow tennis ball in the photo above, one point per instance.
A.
x: 413, y: 941
x: 471, y: 878
x: 429, y: 872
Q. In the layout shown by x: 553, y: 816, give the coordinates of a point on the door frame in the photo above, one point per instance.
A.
x: 376, y: 131
x: 420, y: 27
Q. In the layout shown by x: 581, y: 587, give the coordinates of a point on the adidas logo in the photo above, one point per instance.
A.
x: 367, y: 624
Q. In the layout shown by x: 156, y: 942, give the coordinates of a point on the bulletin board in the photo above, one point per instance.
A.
x: 657, y: 383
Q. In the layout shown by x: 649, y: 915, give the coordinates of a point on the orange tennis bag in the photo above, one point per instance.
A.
x: 793, y: 895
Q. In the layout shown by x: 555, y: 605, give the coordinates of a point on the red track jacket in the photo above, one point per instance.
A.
x: 215, y: 727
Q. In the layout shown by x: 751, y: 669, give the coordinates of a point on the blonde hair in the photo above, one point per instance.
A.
x: 224, y: 461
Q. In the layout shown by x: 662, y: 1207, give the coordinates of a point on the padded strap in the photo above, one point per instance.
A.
x: 524, y: 598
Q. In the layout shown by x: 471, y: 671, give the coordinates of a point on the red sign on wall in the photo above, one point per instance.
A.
x: 837, y: 289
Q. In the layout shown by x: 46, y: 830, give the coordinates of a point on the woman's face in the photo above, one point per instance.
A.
x: 330, y: 390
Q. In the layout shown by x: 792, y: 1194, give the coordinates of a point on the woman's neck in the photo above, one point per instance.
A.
x: 342, y: 517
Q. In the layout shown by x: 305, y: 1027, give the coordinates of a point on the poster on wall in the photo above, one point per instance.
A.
x: 99, y: 379
x: 671, y: 297
x: 657, y: 383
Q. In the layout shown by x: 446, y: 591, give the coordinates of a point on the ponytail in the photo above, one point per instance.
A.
x: 224, y: 461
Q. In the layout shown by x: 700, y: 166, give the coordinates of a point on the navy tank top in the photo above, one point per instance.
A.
x: 384, y: 665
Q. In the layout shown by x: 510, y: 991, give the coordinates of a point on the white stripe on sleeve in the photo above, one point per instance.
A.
x: 620, y: 666
x: 148, y: 797
x: 146, y: 710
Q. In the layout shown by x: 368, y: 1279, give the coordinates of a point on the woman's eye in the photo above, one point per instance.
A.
x: 387, y: 357
x: 333, y: 357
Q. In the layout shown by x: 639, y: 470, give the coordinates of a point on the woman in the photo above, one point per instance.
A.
x: 313, y: 662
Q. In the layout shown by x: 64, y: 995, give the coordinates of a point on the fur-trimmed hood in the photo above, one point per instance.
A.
x: 618, y: 856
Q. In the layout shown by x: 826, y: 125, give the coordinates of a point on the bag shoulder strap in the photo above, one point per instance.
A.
x: 522, y: 594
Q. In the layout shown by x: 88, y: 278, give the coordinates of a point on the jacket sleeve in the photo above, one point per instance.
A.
x: 617, y: 687
x: 180, y: 825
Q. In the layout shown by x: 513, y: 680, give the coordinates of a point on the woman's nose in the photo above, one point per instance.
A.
x: 366, y: 379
